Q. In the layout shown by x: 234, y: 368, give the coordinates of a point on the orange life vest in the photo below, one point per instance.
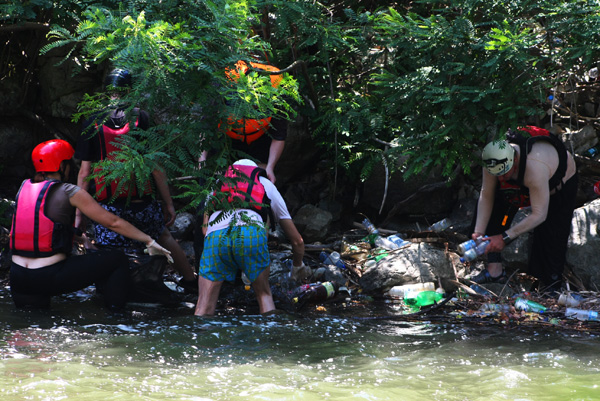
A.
x: 247, y: 129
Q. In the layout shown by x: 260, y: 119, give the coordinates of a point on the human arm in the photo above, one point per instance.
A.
x: 291, y: 232
x: 84, y: 172
x: 160, y: 178
x: 275, y: 151
x: 92, y: 209
x: 485, y: 203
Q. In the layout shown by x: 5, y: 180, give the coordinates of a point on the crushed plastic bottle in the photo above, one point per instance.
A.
x: 529, y: 306
x: 569, y: 300
x: 422, y: 298
x: 440, y: 225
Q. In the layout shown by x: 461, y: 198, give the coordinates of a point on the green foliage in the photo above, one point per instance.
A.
x: 417, y: 87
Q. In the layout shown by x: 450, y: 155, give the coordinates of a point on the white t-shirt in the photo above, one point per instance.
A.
x: 278, y: 206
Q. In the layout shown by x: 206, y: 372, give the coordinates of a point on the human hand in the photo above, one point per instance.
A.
x: 300, y: 272
x: 270, y: 174
x: 154, y: 249
x: 496, y: 243
x: 477, y: 235
x: 169, y: 214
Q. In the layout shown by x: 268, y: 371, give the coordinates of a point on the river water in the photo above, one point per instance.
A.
x: 79, y: 351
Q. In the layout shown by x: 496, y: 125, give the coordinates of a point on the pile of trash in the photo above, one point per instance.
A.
x: 333, y: 288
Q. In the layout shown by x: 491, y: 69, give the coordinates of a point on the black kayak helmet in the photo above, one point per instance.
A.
x: 118, y: 78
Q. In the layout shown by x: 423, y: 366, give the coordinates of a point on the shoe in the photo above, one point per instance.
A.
x: 485, y: 278
x: 189, y: 286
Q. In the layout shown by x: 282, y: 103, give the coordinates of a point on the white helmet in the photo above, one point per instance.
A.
x: 498, y: 157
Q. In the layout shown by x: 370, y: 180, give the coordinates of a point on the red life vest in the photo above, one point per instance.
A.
x: 242, y: 189
x: 33, y: 233
x: 108, y: 136
x: 246, y: 129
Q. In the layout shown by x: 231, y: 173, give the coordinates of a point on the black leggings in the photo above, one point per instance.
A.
x: 107, y: 269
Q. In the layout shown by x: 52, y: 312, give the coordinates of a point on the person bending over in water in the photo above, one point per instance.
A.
x: 42, y: 237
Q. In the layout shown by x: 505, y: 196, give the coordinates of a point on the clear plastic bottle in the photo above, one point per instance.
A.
x: 529, y: 306
x: 399, y: 291
x: 440, y: 225
x: 376, y: 238
x: 333, y: 259
x: 474, y: 253
x: 470, y: 244
x: 494, y: 308
x: 398, y: 240
x: 582, y: 314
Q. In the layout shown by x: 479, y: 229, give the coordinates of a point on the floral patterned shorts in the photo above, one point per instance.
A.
x: 147, y: 216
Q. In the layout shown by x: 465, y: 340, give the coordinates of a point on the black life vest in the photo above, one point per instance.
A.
x: 242, y: 189
x: 108, y: 136
x: 514, y: 191
x: 33, y: 233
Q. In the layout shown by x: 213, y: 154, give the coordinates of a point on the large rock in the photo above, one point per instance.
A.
x: 312, y: 223
x: 584, y: 245
x: 421, y: 262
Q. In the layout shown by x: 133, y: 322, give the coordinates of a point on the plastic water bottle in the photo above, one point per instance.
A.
x: 470, y: 244
x: 376, y: 238
x: 582, y: 314
x: 440, y: 225
x: 494, y: 308
x: 332, y: 259
x: 474, y: 253
x: 529, y: 306
x: 423, y: 298
x: 399, y: 241
x: 399, y: 291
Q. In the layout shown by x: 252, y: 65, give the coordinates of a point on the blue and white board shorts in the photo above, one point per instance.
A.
x: 227, y: 250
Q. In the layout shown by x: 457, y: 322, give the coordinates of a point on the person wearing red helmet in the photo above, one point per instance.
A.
x: 42, y: 235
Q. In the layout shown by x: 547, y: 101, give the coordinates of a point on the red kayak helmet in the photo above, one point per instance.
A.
x: 48, y: 155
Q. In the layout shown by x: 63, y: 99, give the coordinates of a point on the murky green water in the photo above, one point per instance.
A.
x: 78, y: 351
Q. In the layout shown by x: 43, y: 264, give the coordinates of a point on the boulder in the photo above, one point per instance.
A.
x: 420, y: 262
x: 584, y: 245
x: 312, y: 223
